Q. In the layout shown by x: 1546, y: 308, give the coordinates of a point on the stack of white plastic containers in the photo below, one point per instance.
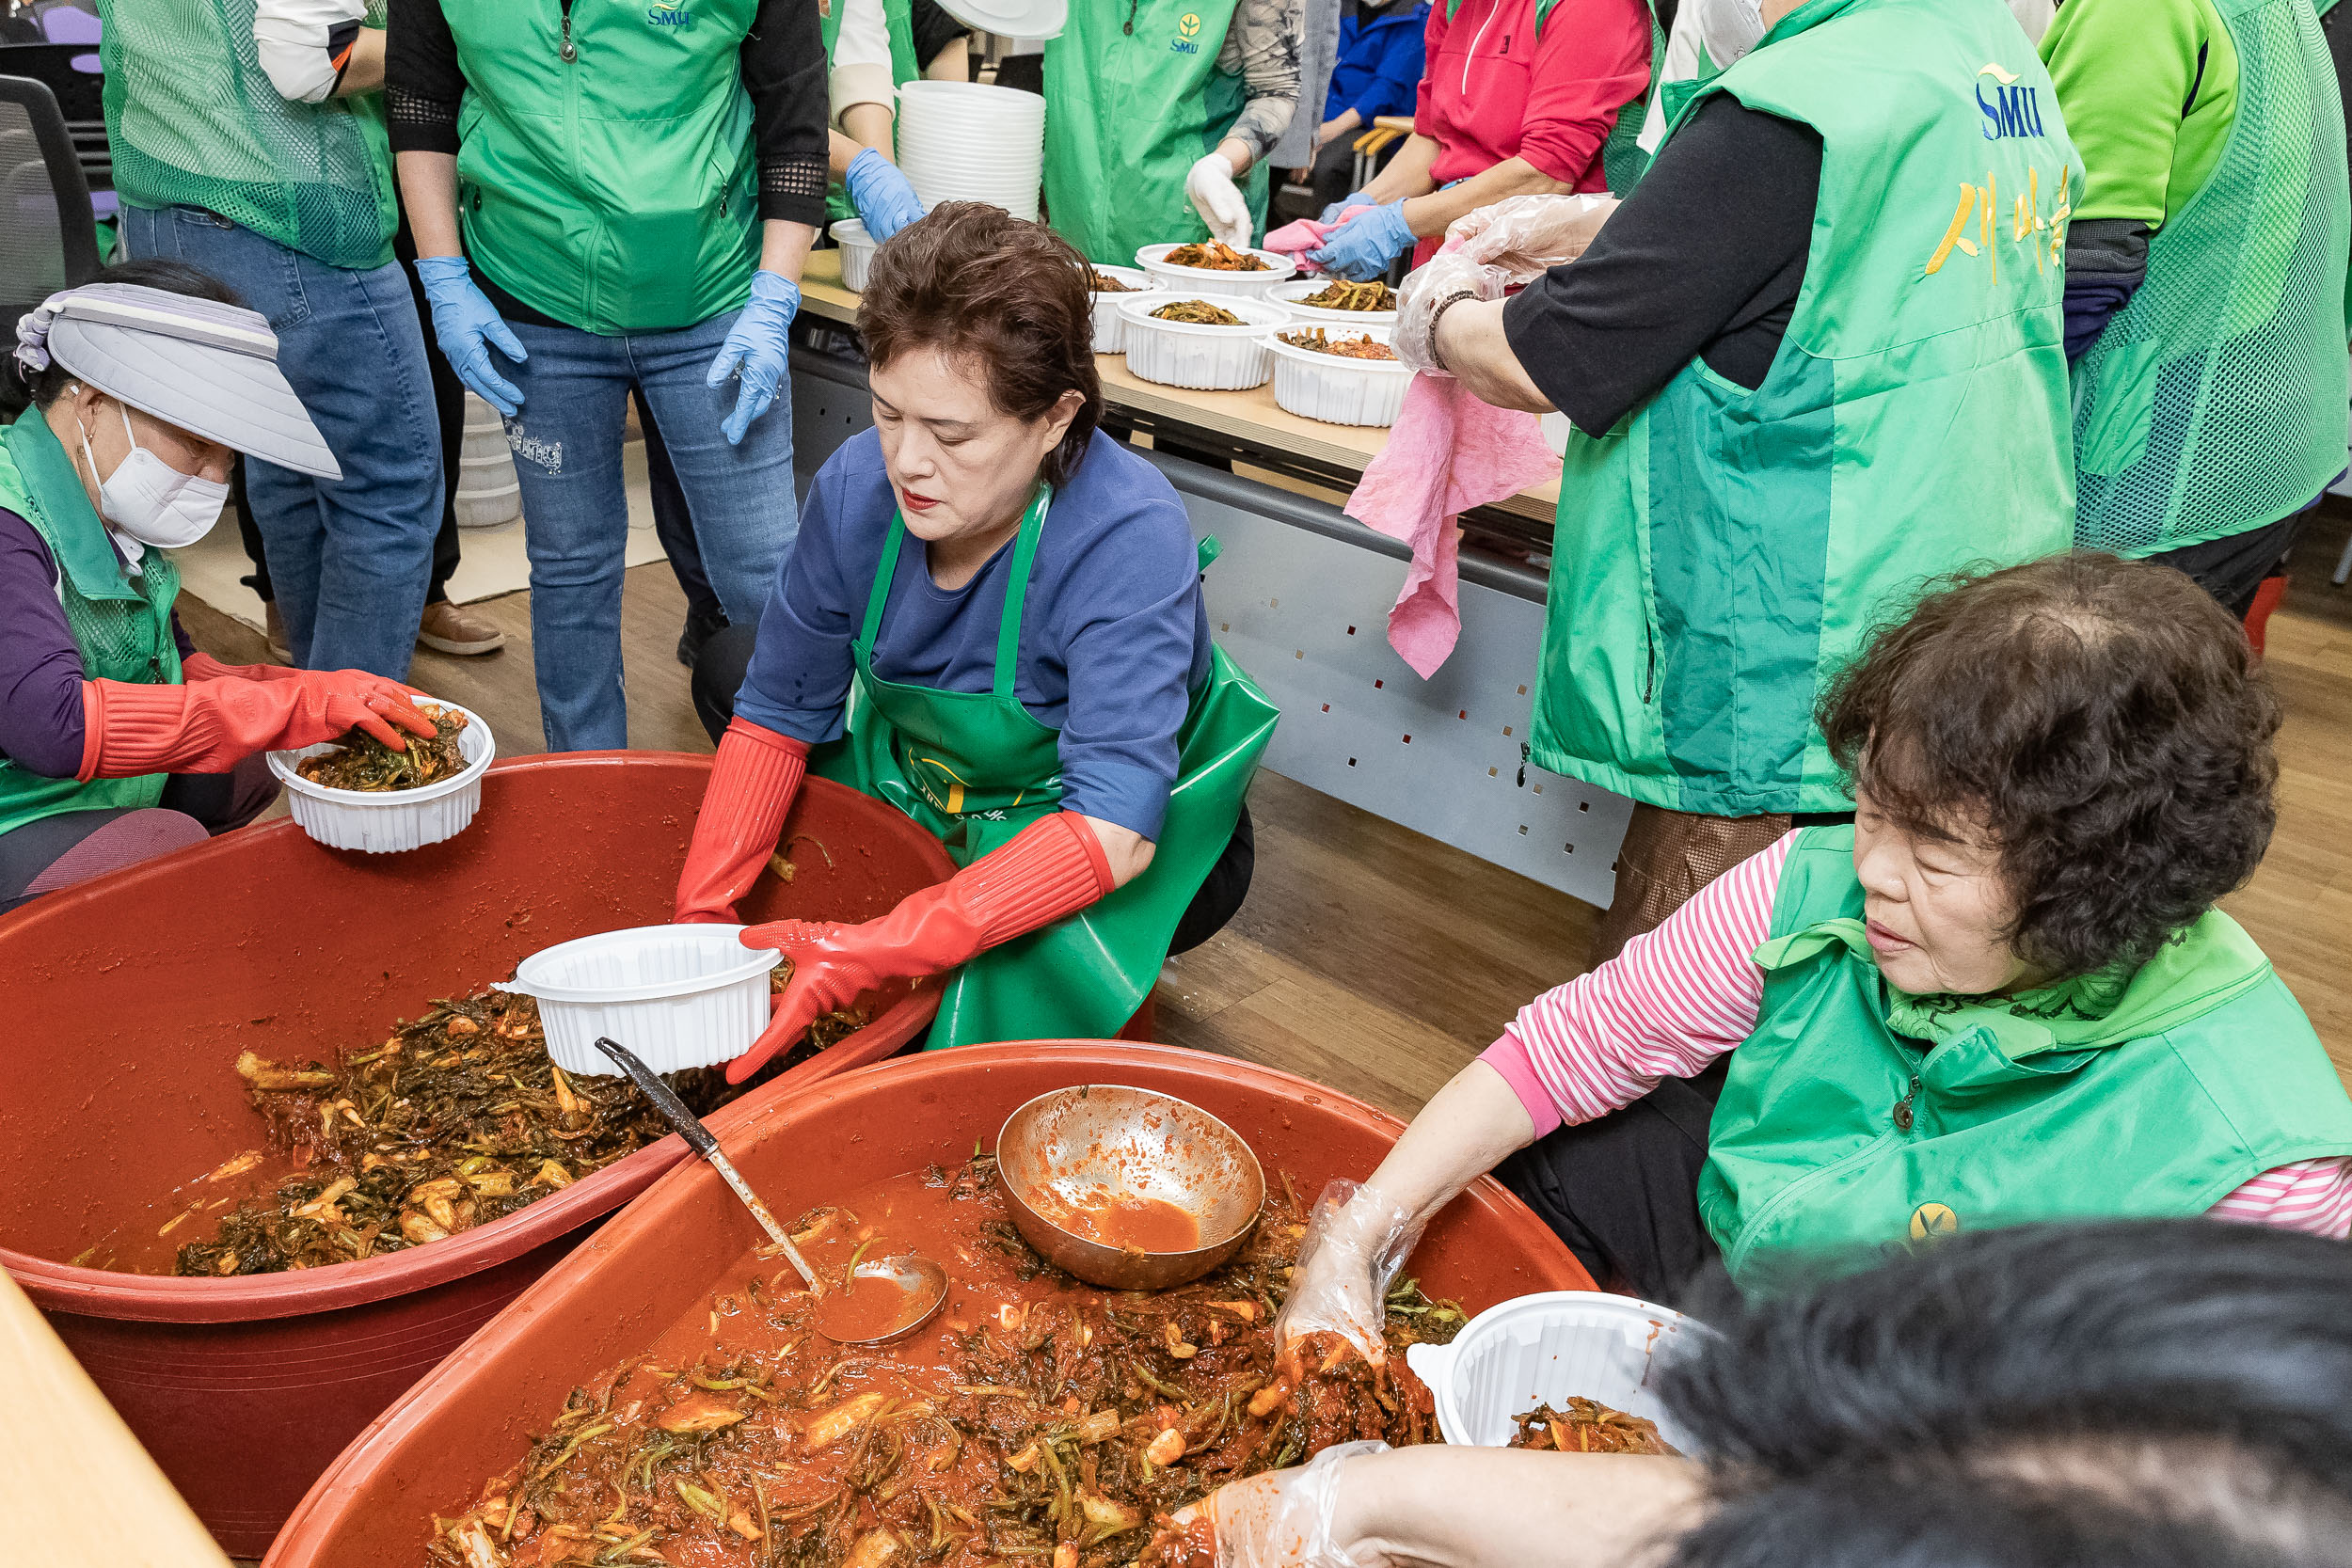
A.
x: 961, y: 141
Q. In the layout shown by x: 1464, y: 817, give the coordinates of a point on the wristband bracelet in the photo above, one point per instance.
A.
x: 1438, y: 315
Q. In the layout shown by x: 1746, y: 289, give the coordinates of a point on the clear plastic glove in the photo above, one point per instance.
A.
x: 1356, y: 1241
x: 1445, y: 278
x: 1218, y: 200
x: 468, y: 326
x: 885, y: 201
x: 758, y: 351
x: 1526, y: 235
x: 1278, y: 1519
x: 1353, y: 199
x: 1362, y: 248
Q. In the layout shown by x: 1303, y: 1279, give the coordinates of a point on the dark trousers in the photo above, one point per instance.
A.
x: 727, y: 656
x: 2232, y: 568
x: 1330, y: 179
x: 1622, y: 1191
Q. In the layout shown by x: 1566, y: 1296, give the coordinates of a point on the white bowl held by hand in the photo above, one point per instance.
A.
x: 1544, y: 1349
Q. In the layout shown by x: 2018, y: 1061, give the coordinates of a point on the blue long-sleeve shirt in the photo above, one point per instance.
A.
x: 1380, y: 62
x: 1114, y: 639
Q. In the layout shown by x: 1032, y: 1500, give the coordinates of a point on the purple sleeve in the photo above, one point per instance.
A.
x: 41, y: 669
x: 2090, y: 302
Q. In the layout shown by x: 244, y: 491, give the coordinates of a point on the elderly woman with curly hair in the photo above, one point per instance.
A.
x: 2003, y: 994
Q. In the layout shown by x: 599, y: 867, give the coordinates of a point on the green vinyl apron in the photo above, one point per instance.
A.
x: 1136, y: 101
x: 974, y: 768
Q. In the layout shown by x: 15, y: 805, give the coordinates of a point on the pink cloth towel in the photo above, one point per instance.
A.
x: 1301, y: 236
x: 1447, y: 453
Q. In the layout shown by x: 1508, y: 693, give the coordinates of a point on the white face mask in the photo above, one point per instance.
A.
x: 1729, y: 28
x: 149, y: 500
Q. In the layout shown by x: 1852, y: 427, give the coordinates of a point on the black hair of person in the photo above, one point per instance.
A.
x: 2111, y: 1395
x: 2102, y: 722
x: 154, y: 272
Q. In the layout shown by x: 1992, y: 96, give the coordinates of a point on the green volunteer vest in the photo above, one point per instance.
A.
x: 616, y: 191
x: 122, y: 625
x: 1721, y: 552
x: 194, y: 120
x: 1135, y: 99
x: 898, y: 22
x: 1838, y: 1138
x: 2215, y: 401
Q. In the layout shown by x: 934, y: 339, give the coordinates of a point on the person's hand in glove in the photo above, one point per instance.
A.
x: 758, y: 351
x: 1275, y: 1519
x: 468, y: 326
x: 1525, y: 235
x: 201, y: 666
x: 1051, y: 869
x: 753, y: 780
x: 1446, y: 278
x: 1218, y: 200
x: 885, y: 201
x: 1362, y: 248
x: 1357, y: 1240
x: 1339, y: 209
x: 130, y: 730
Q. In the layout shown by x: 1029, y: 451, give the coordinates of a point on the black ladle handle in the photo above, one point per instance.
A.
x: 665, y: 1099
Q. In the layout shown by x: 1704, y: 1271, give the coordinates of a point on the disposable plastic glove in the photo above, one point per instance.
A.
x: 1218, y: 200
x: 753, y: 780
x: 1447, y: 276
x: 132, y: 730
x: 1278, y: 1519
x: 758, y: 351
x: 1363, y: 247
x: 1052, y: 868
x: 885, y: 201
x: 1356, y: 1241
x: 1525, y: 235
x: 468, y: 326
x: 1353, y: 199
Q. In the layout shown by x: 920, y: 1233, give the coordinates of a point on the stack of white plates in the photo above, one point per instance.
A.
x: 961, y: 141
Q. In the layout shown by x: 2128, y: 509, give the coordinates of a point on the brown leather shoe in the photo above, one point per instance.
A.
x: 448, y: 629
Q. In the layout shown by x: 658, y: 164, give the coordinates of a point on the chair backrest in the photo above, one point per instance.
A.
x: 70, y: 72
x: 46, y: 239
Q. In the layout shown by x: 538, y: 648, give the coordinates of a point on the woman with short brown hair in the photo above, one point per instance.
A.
x: 1033, y: 680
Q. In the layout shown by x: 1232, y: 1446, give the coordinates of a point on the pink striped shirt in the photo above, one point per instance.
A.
x: 1683, y: 994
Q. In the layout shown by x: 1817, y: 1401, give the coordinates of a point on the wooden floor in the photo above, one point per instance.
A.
x: 1378, y: 961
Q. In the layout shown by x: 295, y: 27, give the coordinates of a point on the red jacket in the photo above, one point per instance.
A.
x: 1494, y: 89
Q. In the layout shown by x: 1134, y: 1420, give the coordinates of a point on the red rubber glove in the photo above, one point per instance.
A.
x: 753, y: 783
x: 1052, y: 868
x: 129, y: 729
x: 201, y: 666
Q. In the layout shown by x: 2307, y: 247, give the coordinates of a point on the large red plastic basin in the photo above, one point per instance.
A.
x: 128, y: 998
x: 472, y: 1417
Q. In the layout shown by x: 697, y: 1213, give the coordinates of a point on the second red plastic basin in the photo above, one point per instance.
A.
x: 129, y: 997
x: 474, y: 1414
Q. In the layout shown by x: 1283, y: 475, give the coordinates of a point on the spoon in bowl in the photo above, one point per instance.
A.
x: 910, y: 1287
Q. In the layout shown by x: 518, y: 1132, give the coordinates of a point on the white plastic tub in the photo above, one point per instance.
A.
x: 1191, y: 282
x: 1541, y: 1349
x: 678, y: 996
x: 384, y: 822
x: 857, y: 254
x: 1110, y: 332
x: 1289, y: 295
x: 1207, y: 358
x: 1334, y: 390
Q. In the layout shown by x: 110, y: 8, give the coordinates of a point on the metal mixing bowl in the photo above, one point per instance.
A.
x: 1069, y: 1145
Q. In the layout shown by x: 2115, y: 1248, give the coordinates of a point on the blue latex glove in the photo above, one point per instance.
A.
x: 1353, y: 199
x: 885, y: 203
x: 1363, y: 247
x: 758, y: 351
x: 467, y: 326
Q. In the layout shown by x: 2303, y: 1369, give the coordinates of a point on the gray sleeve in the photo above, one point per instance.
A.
x: 1263, y: 45
x: 1319, y: 52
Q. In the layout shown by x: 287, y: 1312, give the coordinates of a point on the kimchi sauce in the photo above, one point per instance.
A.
x: 1035, y: 1421
x: 1123, y: 1220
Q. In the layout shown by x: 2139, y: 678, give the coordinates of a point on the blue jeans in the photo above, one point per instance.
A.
x: 349, y: 558
x: 568, y: 457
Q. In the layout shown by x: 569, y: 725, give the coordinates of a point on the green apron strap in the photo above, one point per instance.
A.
x: 1207, y: 551
x: 1017, y: 589
x: 878, y: 595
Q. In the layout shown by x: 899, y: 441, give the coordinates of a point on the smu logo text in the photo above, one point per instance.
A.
x: 668, y: 16
x: 1190, y: 27
x: 2010, y: 111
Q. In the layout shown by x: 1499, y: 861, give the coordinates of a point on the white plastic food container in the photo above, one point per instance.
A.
x: 1290, y: 295
x: 1110, y: 332
x: 857, y: 252
x: 678, y: 996
x: 1188, y: 354
x: 1541, y: 1349
x: 382, y: 822
x: 1333, y: 388
x: 1190, y: 282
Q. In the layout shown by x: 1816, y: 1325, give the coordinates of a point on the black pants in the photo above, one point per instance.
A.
x: 1622, y: 1191
x: 2232, y: 568
x: 1331, y: 178
x: 719, y: 672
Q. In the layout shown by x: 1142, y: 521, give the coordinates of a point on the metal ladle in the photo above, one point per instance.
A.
x: 921, y: 1283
